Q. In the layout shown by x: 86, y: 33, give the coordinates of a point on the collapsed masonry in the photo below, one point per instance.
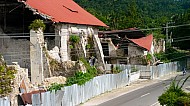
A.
x: 44, y: 63
x: 21, y: 50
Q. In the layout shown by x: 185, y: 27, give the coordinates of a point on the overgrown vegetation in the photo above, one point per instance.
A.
x: 174, y: 95
x: 54, y: 64
x: 171, y: 55
x: 81, y: 78
x: 158, y: 35
x: 122, y: 14
x: 133, y: 69
x: 55, y: 86
x: 74, y: 39
x: 74, y: 46
x: 148, y: 57
x: 88, y: 46
x: 6, y: 78
x: 116, y: 70
x: 36, y: 24
x: 181, y: 34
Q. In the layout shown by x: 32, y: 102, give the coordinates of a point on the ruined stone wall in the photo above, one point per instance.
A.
x: 159, y: 46
x: 134, y: 50
x: 62, y: 41
x: 16, y: 50
x: 21, y: 78
x: 136, y: 54
x: 137, y: 60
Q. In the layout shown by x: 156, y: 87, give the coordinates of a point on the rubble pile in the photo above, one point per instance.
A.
x: 48, y: 81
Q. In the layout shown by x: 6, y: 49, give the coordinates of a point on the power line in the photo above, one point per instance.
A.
x: 181, y: 40
x: 53, y: 34
x: 166, y: 27
x: 181, y: 37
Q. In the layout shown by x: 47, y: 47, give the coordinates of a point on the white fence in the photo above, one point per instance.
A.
x: 149, y: 72
x: 134, y: 76
x: 4, y: 102
x: 75, y: 94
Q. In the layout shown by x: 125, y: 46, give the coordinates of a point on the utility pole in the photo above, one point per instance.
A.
x: 168, y: 37
x: 167, y: 32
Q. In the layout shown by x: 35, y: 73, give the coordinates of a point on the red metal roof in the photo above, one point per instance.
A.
x: 66, y: 11
x: 144, y: 42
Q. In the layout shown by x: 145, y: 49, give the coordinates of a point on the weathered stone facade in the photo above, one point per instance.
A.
x: 15, y: 50
x: 63, y: 31
x: 159, y: 46
x: 21, y: 77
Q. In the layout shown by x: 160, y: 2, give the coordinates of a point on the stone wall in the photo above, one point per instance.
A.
x: 134, y: 50
x: 137, y: 60
x: 21, y: 77
x: 16, y: 50
x: 159, y: 46
x: 63, y: 32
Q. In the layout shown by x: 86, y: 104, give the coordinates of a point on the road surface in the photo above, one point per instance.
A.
x: 147, y: 96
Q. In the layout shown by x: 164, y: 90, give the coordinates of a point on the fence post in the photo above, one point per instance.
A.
x: 152, y: 72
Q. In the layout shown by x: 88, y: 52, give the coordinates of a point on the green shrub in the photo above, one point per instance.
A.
x: 183, y: 101
x: 171, y: 54
x: 174, y: 95
x: 133, y: 69
x: 168, y: 99
x: 55, y: 86
x: 88, y: 46
x: 81, y: 78
x: 74, y: 39
x: 116, y: 70
x: 149, y: 57
x: 71, y: 46
x: 162, y: 57
x: 6, y: 78
x: 36, y: 24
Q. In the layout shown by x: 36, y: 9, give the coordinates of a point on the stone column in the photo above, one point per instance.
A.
x: 62, y: 40
x: 36, y: 56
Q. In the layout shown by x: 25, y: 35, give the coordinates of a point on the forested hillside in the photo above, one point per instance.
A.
x: 146, y: 14
x: 122, y: 14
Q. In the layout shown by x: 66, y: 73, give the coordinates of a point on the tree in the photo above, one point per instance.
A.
x: 122, y: 14
x: 181, y: 34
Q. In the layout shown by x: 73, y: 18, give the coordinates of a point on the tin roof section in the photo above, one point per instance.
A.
x: 66, y: 11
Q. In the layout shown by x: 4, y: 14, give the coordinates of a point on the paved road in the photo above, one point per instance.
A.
x: 147, y: 96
